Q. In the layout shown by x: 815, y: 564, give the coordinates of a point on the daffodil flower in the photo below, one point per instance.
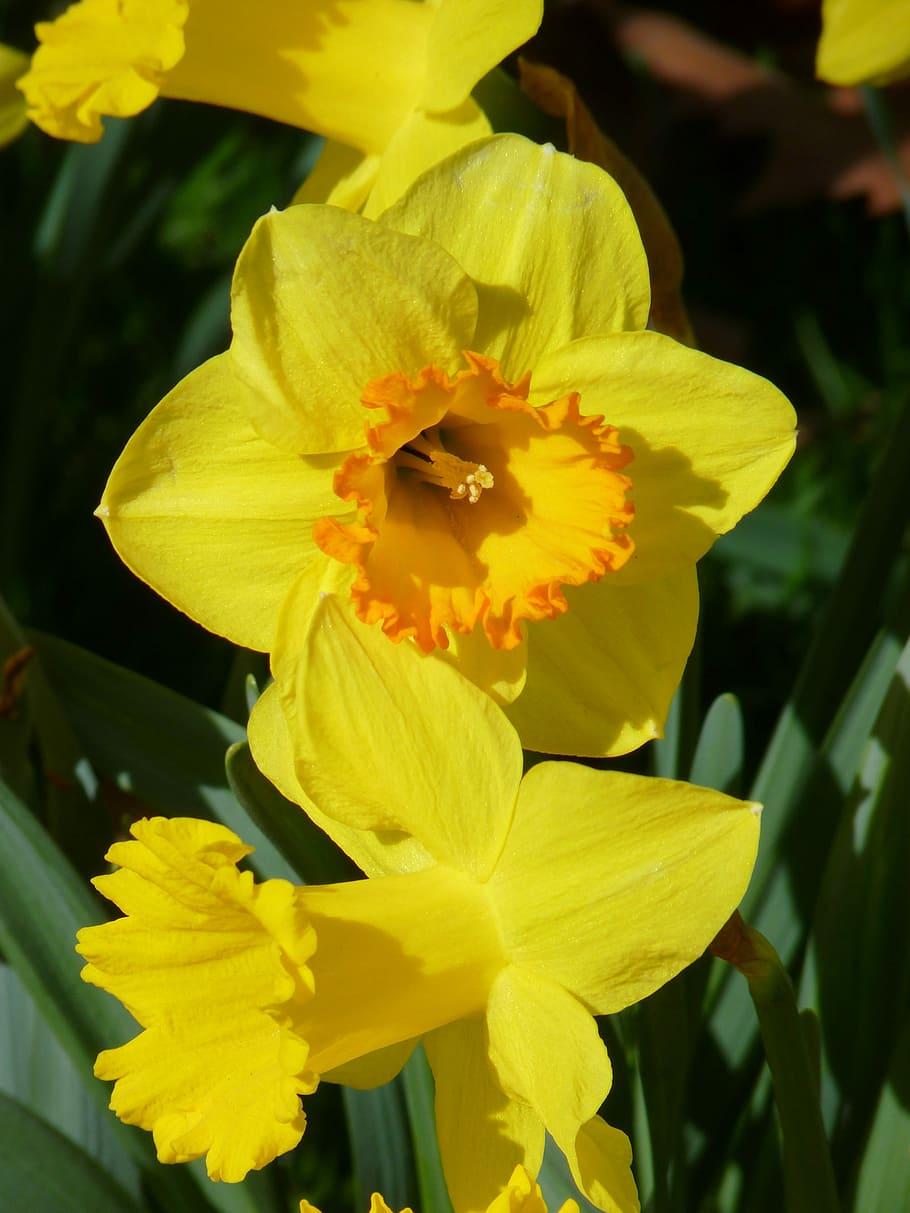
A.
x: 13, y: 118
x: 455, y: 418
x: 500, y: 916
x: 864, y: 41
x: 388, y: 81
x: 520, y: 1195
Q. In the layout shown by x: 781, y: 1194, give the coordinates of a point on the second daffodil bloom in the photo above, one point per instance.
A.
x: 520, y: 1195
x: 388, y: 81
x: 500, y: 916
x: 864, y: 41
x: 454, y: 418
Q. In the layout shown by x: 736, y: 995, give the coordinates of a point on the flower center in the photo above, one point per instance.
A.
x: 428, y: 459
x: 426, y: 567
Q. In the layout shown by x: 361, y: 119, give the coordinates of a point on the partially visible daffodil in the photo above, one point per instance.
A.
x: 864, y: 41
x: 520, y: 1195
x: 501, y: 914
x: 13, y: 118
x: 388, y: 81
x: 455, y: 419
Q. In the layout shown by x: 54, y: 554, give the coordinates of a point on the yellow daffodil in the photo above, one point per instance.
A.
x: 500, y: 915
x: 388, y: 81
x: 13, y: 119
x: 520, y: 1195
x: 864, y: 41
x: 454, y: 418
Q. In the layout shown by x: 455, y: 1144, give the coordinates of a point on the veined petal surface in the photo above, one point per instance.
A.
x: 549, y: 241
x: 600, y: 677
x: 482, y: 1133
x: 323, y: 302
x: 610, y: 884
x: 709, y: 439
x: 377, y: 853
x: 386, y: 739
x: 547, y: 1053
x: 216, y: 970
x: 210, y: 515
x: 420, y: 142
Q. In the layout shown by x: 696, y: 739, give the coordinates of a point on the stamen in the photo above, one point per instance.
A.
x: 426, y: 456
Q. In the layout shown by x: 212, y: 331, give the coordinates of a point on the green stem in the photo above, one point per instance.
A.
x: 879, y: 115
x: 808, y: 1175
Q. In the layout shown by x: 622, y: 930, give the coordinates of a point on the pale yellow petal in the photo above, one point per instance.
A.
x: 216, y: 970
x: 467, y: 39
x: 101, y: 58
x: 342, y: 176
x: 595, y: 883
x: 864, y: 41
x: 210, y: 515
x: 420, y: 142
x: 483, y: 1135
x: 373, y: 1069
x: 375, y: 854
x: 499, y: 672
x: 600, y: 678
x: 708, y: 439
x: 547, y: 1053
x: 349, y: 69
x: 549, y: 240
x: 388, y: 739
x: 323, y: 302
x: 398, y: 956
x: 13, y: 118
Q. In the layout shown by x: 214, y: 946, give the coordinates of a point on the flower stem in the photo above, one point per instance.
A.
x: 808, y: 1175
x: 878, y: 114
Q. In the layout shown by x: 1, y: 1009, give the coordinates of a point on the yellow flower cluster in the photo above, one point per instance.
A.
x: 449, y: 479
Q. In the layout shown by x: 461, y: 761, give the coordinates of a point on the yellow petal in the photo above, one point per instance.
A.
x: 348, y: 69
x: 211, y: 516
x: 467, y: 39
x: 342, y: 176
x: 548, y: 1054
x: 501, y: 673
x: 482, y: 1134
x: 373, y: 1069
x: 398, y: 956
x: 550, y: 241
x: 609, y: 861
x: 864, y: 41
x: 216, y: 970
x: 420, y: 142
x: 386, y: 739
x: 523, y: 1195
x: 101, y: 57
x: 708, y: 439
x: 600, y: 1167
x: 600, y: 677
x: 324, y: 302
x: 375, y: 854
x: 13, y: 118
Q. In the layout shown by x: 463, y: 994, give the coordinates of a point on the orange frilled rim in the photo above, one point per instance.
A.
x: 476, y: 507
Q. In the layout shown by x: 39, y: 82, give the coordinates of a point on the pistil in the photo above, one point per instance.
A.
x: 433, y: 464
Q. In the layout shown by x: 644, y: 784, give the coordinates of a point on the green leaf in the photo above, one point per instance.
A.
x: 883, y: 1185
x: 45, y: 1172
x: 420, y: 1095
x: 556, y: 1181
x: 35, y: 1070
x: 42, y: 905
x: 378, y: 1130
x: 154, y: 744
x: 718, y: 760
x: 310, y: 855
